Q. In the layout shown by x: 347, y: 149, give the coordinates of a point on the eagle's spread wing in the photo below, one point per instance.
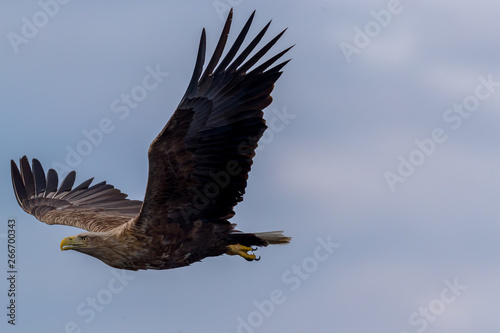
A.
x: 100, y: 207
x: 199, y: 163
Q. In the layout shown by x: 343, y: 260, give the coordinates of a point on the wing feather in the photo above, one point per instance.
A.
x: 66, y: 184
x: 52, y: 182
x: 40, y: 183
x: 199, y: 163
x: 97, y: 208
x: 27, y: 177
x: 236, y: 46
x: 218, y: 50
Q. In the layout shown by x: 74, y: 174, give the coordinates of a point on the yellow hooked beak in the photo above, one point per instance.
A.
x: 70, y: 243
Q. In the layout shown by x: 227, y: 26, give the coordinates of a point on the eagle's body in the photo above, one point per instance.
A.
x: 198, y: 171
x: 127, y: 247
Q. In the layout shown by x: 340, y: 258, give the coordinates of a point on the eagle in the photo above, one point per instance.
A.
x: 198, y: 171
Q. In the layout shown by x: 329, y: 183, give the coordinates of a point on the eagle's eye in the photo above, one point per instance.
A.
x: 84, y: 238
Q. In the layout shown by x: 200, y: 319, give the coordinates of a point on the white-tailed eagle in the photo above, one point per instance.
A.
x: 198, y: 171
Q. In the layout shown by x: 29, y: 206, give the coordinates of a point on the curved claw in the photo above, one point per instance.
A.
x: 254, y: 248
x: 242, y: 251
x: 252, y: 259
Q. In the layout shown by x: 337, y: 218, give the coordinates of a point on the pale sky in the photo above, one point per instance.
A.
x: 383, y: 164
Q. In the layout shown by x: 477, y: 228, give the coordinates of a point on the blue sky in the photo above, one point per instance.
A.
x: 383, y: 165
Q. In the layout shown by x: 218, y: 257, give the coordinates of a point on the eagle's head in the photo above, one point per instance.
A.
x: 84, y: 242
x: 118, y: 252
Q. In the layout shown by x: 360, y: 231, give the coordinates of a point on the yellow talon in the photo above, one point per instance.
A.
x: 241, y: 250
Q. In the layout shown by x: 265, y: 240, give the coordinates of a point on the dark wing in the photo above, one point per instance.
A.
x: 199, y: 163
x: 97, y: 208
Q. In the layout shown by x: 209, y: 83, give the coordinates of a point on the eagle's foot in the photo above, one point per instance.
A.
x: 241, y: 250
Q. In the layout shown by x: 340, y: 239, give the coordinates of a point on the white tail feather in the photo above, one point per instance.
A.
x: 273, y: 237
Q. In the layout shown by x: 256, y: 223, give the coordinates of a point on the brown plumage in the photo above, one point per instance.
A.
x: 198, y: 171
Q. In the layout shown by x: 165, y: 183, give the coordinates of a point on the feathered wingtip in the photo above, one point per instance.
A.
x: 229, y: 64
x: 274, y: 237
